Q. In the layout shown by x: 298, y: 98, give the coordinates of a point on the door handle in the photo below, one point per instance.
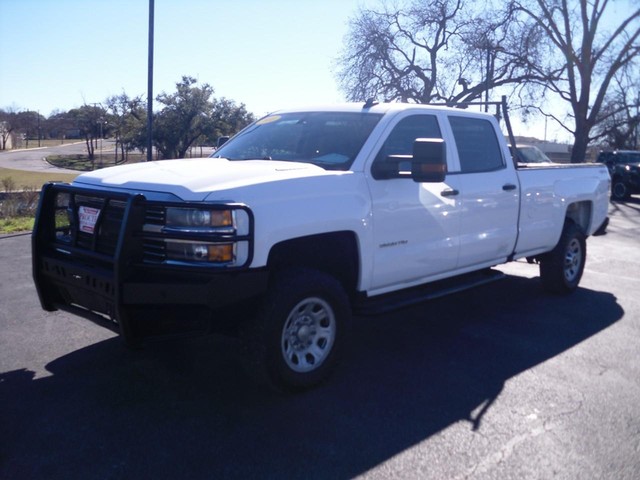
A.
x: 508, y: 187
x: 449, y: 192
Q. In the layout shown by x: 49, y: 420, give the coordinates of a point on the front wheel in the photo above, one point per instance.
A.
x: 295, y: 340
x: 561, y: 269
x: 619, y: 189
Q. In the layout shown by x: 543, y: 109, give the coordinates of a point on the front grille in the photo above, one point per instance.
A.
x: 154, y: 250
x: 106, y: 231
x: 154, y: 215
x: 110, y: 227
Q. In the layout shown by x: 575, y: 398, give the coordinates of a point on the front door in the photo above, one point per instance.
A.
x: 415, y: 225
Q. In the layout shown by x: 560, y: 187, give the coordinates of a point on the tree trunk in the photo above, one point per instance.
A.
x: 90, y: 148
x: 581, y: 135
x: 579, y: 150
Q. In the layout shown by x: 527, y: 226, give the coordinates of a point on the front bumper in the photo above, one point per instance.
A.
x: 109, y: 274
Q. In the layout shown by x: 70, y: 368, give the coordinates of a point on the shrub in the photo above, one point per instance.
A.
x: 8, y: 184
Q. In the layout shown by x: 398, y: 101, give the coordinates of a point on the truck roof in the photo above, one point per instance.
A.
x: 381, y: 108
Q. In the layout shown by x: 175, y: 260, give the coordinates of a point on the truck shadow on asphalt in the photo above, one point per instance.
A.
x: 187, y: 410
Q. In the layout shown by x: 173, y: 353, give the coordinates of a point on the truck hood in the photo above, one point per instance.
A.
x: 195, y: 179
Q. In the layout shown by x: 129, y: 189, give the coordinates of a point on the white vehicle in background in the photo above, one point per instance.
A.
x: 305, y: 217
x: 526, y: 154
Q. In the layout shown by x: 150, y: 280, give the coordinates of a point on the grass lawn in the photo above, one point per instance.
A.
x: 16, y: 224
x: 82, y: 163
x: 29, y: 180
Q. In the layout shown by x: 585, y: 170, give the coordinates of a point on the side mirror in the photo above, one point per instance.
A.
x: 429, y: 162
x: 222, y: 141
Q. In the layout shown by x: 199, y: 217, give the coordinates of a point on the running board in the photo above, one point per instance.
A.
x: 404, y: 298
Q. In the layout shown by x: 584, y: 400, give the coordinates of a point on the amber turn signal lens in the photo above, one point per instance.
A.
x: 221, y: 253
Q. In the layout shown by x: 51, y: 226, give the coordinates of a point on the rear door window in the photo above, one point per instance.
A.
x: 477, y: 144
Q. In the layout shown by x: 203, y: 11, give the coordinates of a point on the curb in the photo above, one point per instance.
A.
x: 16, y: 234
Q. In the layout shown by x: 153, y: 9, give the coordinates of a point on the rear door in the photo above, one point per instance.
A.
x: 490, y: 192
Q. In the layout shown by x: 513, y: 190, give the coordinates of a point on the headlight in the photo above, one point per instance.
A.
x: 205, y: 236
x: 187, y: 251
x: 195, y: 217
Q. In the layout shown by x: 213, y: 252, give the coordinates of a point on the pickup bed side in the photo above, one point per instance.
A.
x: 576, y: 192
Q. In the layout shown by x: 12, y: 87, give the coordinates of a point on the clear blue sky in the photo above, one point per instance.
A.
x: 267, y: 54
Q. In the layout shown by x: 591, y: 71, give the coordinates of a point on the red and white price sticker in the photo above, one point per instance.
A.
x: 88, y: 217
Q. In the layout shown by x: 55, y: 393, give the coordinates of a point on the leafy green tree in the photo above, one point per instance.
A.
x: 228, y: 118
x: 185, y: 118
x: 127, y: 122
x: 89, y: 120
x: 7, y: 126
x: 60, y: 125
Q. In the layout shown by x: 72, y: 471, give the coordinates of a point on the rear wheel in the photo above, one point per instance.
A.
x: 295, y: 340
x: 562, y: 268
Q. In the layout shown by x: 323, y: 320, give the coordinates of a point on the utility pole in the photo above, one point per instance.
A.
x: 150, y: 85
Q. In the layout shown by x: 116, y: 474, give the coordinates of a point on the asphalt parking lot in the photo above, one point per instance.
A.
x: 499, y: 382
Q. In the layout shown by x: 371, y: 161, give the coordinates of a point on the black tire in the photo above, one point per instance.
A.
x: 619, y: 189
x: 294, y: 342
x: 562, y: 268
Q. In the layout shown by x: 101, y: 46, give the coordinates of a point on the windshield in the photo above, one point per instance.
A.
x: 330, y: 140
x: 616, y: 157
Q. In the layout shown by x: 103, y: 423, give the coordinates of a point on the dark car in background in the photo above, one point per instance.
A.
x: 624, y: 168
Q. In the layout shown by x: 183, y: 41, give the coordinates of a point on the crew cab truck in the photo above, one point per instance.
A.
x: 303, y: 218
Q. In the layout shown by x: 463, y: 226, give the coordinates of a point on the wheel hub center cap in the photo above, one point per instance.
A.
x: 305, y: 330
x: 304, y: 333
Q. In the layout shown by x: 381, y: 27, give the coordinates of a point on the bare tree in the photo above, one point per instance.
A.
x: 588, y: 57
x: 619, y: 125
x: 440, y: 50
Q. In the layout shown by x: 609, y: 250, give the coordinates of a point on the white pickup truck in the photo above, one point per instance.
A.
x: 303, y: 218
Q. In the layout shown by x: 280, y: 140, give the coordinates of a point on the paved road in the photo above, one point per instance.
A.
x: 33, y: 159
x: 502, y: 382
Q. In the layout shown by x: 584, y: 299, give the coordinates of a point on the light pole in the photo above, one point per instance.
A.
x: 635, y: 137
x: 101, y: 136
x: 150, y: 85
x: 486, y: 82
